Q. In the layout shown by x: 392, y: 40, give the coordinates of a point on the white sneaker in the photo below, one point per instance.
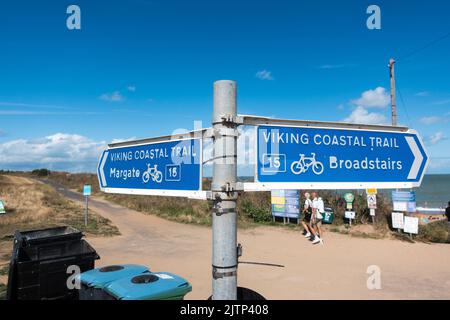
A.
x: 316, y: 240
x: 308, y: 235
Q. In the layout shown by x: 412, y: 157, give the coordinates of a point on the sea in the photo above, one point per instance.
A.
x: 434, y: 192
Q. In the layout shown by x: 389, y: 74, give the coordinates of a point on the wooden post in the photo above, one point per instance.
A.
x: 393, y: 96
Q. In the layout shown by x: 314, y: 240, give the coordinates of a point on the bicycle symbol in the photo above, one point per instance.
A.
x: 152, y: 172
x: 303, y: 164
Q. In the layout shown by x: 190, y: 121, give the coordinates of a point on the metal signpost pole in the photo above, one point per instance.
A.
x: 224, y: 217
x: 86, y: 213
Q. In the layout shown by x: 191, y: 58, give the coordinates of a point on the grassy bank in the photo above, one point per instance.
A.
x: 33, y: 205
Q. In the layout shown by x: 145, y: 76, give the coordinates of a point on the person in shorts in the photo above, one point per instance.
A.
x: 307, y: 211
x: 316, y: 218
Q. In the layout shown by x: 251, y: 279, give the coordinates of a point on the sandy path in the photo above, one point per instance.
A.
x: 336, y: 270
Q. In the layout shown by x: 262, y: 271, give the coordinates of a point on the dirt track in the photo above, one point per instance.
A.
x: 336, y: 270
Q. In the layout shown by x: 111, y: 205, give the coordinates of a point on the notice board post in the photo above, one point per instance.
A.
x: 223, y: 187
x: 86, y: 193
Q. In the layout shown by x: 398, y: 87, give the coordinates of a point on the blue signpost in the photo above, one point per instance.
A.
x: 152, y: 168
x: 302, y: 157
x: 290, y: 154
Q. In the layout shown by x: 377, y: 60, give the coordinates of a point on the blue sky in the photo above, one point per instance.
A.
x: 142, y: 68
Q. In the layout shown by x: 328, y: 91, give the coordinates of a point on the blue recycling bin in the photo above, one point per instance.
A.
x: 150, y: 286
x: 93, y: 282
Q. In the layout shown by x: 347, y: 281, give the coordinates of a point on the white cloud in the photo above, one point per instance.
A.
x: 118, y: 140
x: 332, y: 66
x: 131, y: 88
x: 362, y: 116
x: 442, y: 102
x: 2, y: 133
x: 435, y: 138
x: 431, y: 120
x: 377, y: 98
x: 264, y: 75
x: 60, y: 151
x: 422, y: 94
x: 115, y: 96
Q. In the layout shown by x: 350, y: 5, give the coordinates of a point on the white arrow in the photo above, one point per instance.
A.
x: 102, y: 164
x: 418, y: 158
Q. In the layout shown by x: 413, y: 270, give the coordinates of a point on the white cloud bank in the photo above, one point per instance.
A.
x: 376, y: 98
x: 361, y: 115
x: 60, y: 151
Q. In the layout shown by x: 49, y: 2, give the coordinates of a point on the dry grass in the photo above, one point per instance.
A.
x: 33, y: 205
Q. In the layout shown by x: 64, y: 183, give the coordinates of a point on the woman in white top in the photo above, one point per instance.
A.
x: 318, y: 209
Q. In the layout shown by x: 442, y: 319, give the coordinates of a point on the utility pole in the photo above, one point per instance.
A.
x: 224, y: 193
x: 393, y: 97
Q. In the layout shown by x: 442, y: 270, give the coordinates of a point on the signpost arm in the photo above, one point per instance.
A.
x: 224, y: 217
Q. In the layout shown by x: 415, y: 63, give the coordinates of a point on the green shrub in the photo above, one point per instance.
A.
x: 40, y: 172
x: 255, y: 213
x: 435, y: 232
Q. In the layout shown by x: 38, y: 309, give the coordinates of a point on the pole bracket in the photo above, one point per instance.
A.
x: 221, y: 132
x: 228, y: 187
x: 230, y: 119
x: 234, y: 119
x: 217, y: 273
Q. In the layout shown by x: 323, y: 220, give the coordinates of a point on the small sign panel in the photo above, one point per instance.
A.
x: 397, y: 220
x: 286, y: 203
x: 404, y: 201
x: 350, y: 214
x: 2, y: 207
x: 411, y: 225
x: 87, y: 190
x: 371, y: 201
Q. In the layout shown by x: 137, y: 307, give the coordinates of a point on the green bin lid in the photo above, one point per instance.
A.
x: 150, y: 286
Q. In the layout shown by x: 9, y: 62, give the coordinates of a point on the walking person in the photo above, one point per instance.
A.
x: 307, y: 211
x: 316, y: 219
x: 319, y: 217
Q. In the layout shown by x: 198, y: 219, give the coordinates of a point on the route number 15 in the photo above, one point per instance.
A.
x: 274, y: 163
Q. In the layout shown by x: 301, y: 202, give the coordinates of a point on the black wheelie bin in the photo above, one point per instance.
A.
x: 40, y: 260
